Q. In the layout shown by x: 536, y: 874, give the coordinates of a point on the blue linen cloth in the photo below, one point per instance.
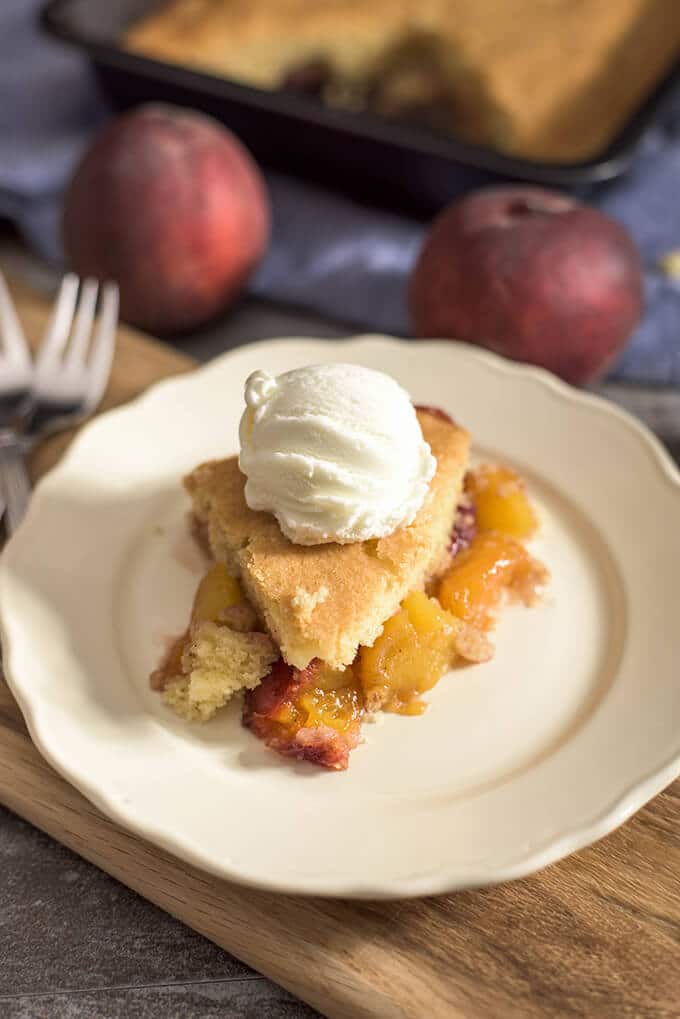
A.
x: 328, y: 253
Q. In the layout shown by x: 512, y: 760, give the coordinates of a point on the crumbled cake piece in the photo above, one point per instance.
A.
x: 217, y: 662
x: 365, y: 582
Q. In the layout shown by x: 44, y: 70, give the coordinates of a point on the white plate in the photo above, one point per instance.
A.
x: 573, y: 726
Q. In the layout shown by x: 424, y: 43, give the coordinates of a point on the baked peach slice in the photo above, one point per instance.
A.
x: 479, y: 576
x: 416, y: 647
x: 500, y: 501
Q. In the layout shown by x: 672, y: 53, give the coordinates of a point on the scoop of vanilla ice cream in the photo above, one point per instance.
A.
x: 334, y: 451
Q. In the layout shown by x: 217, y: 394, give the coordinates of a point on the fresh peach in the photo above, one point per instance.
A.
x: 168, y: 203
x: 533, y: 275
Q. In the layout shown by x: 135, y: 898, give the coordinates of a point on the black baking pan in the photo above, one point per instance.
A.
x: 387, y: 161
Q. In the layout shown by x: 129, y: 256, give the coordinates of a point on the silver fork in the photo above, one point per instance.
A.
x: 16, y: 370
x: 16, y: 376
x: 68, y: 379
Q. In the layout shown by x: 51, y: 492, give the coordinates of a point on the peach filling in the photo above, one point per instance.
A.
x: 313, y: 714
x: 500, y: 501
x: 333, y: 698
x: 494, y: 564
x: 416, y: 647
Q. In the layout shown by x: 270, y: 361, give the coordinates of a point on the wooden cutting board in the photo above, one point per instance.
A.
x: 597, y: 935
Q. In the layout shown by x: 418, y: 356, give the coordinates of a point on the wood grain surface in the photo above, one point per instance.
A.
x: 597, y: 935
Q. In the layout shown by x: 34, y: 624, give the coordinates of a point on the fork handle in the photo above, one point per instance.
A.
x: 15, y: 487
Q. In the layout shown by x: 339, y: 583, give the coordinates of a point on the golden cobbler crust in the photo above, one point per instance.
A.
x: 323, y: 601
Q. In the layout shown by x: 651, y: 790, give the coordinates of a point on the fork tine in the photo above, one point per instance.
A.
x: 11, y: 334
x: 83, y: 324
x: 103, y: 344
x: 59, y: 327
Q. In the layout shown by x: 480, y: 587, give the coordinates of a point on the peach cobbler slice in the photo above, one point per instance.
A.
x: 444, y: 577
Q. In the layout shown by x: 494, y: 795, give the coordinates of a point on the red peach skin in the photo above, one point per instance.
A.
x: 171, y: 205
x: 533, y: 275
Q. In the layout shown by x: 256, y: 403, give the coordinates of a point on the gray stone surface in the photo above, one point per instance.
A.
x: 254, y: 998
x: 64, y: 923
